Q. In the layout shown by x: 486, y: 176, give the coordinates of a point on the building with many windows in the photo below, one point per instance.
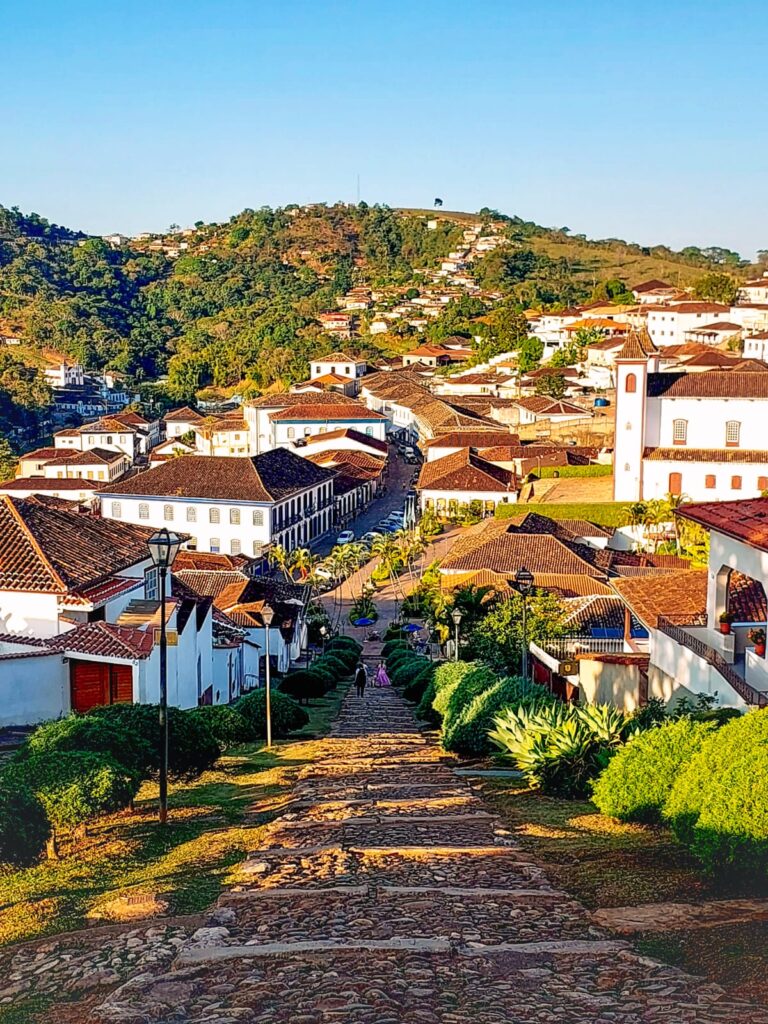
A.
x: 229, y: 504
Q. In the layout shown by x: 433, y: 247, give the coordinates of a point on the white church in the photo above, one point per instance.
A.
x: 702, y: 435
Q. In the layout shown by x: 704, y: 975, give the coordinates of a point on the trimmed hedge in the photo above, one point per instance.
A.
x: 74, y: 786
x: 424, y: 710
x: 338, y: 667
x: 471, y: 685
x: 719, y: 804
x: 287, y: 716
x: 226, y: 724
x: 447, y: 678
x: 391, y: 646
x: 24, y: 827
x: 467, y: 731
x: 414, y: 690
x: 304, y: 685
x: 639, y: 778
x: 343, y: 643
x: 192, y: 748
x: 99, y: 735
x: 408, y: 670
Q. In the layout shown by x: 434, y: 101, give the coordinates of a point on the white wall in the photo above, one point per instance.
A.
x: 680, y: 673
x: 33, y: 689
x: 464, y: 497
x: 656, y: 479
x: 630, y: 431
x: 29, y: 614
x: 706, y: 419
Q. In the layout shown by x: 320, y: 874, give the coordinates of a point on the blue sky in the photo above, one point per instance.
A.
x: 636, y: 120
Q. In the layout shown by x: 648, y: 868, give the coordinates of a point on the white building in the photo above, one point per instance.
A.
x: 258, y: 414
x: 337, y: 364
x: 65, y: 375
x: 181, y: 421
x: 227, y: 435
x: 672, y: 324
x: 230, y: 505
x: 698, y: 434
x: 446, y: 485
x: 754, y: 291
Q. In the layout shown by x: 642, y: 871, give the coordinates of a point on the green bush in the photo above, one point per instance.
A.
x: 83, y: 732
x: 226, y: 724
x: 74, y: 786
x: 192, y: 748
x: 343, y: 643
x: 719, y: 803
x: 338, y: 667
x: 639, y: 778
x: 394, y: 631
x: 425, y: 710
x: 407, y: 670
x: 561, y: 747
x: 391, y: 646
x: 24, y: 828
x: 467, y: 732
x: 400, y: 658
x: 287, y: 716
x: 471, y: 685
x: 324, y: 673
x: 303, y: 685
x: 414, y: 690
x: 447, y: 678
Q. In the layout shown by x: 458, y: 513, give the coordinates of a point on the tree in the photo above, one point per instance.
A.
x: 717, y: 287
x: 552, y: 385
x: 8, y: 460
x: 498, y: 637
x: 530, y: 353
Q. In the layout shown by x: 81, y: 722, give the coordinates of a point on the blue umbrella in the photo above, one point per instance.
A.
x: 411, y: 627
x: 364, y: 622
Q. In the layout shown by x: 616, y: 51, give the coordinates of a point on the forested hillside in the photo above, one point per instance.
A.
x: 239, y: 302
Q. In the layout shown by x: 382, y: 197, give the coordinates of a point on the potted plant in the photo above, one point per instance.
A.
x: 757, y: 636
x: 726, y: 618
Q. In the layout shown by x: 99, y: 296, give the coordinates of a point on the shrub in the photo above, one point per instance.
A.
x: 226, y: 724
x: 471, y: 684
x: 192, y: 748
x: 304, y: 685
x: 338, y: 667
x: 79, y: 732
x: 407, y: 670
x: 560, y: 747
x: 447, y: 678
x: 400, y: 658
x: 343, y: 643
x: 394, y: 631
x: 391, y: 646
x: 414, y: 690
x: 639, y: 778
x: 287, y: 716
x: 324, y: 673
x: 74, y: 786
x: 468, y: 730
x: 719, y: 805
x: 24, y: 828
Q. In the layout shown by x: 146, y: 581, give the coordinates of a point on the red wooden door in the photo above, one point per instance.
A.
x: 675, y: 483
x: 93, y: 683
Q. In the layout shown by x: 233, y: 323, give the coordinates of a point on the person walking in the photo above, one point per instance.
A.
x: 382, y: 679
x: 361, y: 678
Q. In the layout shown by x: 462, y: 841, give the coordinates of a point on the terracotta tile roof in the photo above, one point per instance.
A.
x: 347, y: 411
x: 105, y: 639
x: 187, y: 559
x: 108, y: 425
x: 473, y: 439
x: 712, y: 360
x: 569, y: 585
x: 357, y: 465
x: 695, y: 307
x: 210, y: 582
x: 716, y: 327
x: 650, y: 286
x: 287, y: 399
x: 679, y: 596
x: 594, y: 612
x: 268, y: 477
x: 712, y: 384
x: 746, y: 598
x: 45, y: 454
x: 352, y: 435
x: 602, y: 323
x: 477, y: 578
x: 337, y: 357
x: 727, y: 455
x: 133, y: 419
x: 182, y: 415
x: 543, y: 406
x: 637, y: 346
x: 100, y: 593
x: 751, y: 366
x: 328, y: 379
x: 92, y: 457
x: 223, y: 425
x: 243, y: 599
x: 746, y: 521
x: 41, y: 483
x: 508, y: 552
x: 50, y: 549
x: 463, y: 471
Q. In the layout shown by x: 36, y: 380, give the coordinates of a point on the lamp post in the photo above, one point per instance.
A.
x: 163, y: 548
x: 456, y: 616
x: 524, y: 583
x: 267, y: 616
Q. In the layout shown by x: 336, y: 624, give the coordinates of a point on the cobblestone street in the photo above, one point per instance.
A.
x: 389, y: 894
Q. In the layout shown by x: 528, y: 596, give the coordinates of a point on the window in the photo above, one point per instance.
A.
x: 168, y: 513
x: 762, y: 483
x: 732, y: 433
x: 258, y: 517
x: 630, y: 383
x: 191, y: 514
x: 710, y: 482
x: 369, y: 431
x: 234, y: 516
x: 152, y: 583
x: 214, y: 516
x: 143, y: 511
x: 234, y: 547
x: 110, y: 439
x: 291, y: 433
x: 117, y: 509
x: 735, y: 483
x: 679, y: 431
x: 215, y: 545
x: 256, y: 548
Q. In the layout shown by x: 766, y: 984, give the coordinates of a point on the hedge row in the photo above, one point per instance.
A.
x: 336, y: 663
x: 710, y: 784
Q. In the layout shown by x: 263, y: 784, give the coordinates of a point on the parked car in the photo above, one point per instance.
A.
x: 370, y: 537
x: 411, y: 459
x: 346, y: 537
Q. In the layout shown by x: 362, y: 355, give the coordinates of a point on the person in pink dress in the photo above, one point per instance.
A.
x: 382, y: 679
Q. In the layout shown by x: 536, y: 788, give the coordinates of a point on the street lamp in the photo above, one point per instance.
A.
x: 524, y: 582
x: 267, y: 615
x: 163, y: 548
x: 456, y: 616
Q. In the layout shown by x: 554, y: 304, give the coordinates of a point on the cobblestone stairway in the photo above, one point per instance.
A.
x: 390, y: 894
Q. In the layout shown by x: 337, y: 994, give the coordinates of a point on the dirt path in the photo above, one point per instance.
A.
x: 391, y: 894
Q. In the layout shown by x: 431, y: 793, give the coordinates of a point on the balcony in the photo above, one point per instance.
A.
x: 746, y: 673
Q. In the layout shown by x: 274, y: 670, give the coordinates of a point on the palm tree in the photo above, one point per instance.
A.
x: 278, y: 556
x: 673, y: 503
x: 303, y: 560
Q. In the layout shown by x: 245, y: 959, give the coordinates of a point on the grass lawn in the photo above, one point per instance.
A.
x: 214, y: 822
x: 609, y: 864
x: 604, y: 513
